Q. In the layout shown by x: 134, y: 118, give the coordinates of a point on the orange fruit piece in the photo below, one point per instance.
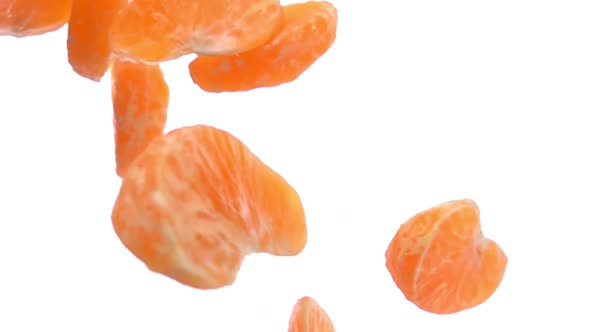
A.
x: 140, y: 103
x: 89, y: 51
x: 23, y: 18
x: 442, y: 262
x: 308, y: 31
x: 160, y: 30
x: 196, y: 201
x: 308, y: 316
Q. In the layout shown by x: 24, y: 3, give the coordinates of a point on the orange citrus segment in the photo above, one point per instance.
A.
x: 5, y: 17
x: 196, y: 201
x: 160, y: 30
x: 308, y: 31
x: 308, y: 316
x: 88, y: 36
x: 23, y: 18
x: 441, y: 261
x: 140, y: 102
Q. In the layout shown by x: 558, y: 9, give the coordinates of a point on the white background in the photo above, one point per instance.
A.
x: 417, y: 103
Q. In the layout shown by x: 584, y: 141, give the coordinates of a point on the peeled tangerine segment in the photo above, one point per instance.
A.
x: 308, y: 31
x: 197, y: 201
x: 161, y: 30
x: 23, y: 18
x: 441, y: 261
x: 140, y: 103
x: 89, y: 51
x: 308, y: 316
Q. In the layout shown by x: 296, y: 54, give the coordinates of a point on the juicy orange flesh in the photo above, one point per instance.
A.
x: 196, y: 201
x: 161, y: 30
x: 89, y: 51
x: 307, y: 32
x: 309, y: 316
x: 23, y: 18
x: 441, y: 261
x: 140, y: 102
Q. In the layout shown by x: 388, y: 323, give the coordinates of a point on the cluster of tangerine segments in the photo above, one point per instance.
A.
x: 240, y: 45
x: 194, y: 202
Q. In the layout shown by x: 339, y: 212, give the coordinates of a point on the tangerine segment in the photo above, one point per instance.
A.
x: 196, y: 201
x: 308, y: 32
x: 23, y: 18
x: 140, y: 102
x: 160, y: 30
x: 89, y: 50
x: 441, y: 261
x: 308, y: 316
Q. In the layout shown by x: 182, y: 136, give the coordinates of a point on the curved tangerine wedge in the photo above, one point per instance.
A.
x: 89, y: 49
x: 196, y: 201
x: 309, y: 30
x: 441, y: 261
x: 161, y: 30
x: 308, y: 316
x: 140, y: 102
x: 23, y: 18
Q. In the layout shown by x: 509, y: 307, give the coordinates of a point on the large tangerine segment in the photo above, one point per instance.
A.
x: 309, y: 316
x: 196, y: 201
x: 160, y: 30
x: 140, y: 98
x: 441, y: 261
x: 89, y: 51
x: 23, y: 18
x: 308, y: 31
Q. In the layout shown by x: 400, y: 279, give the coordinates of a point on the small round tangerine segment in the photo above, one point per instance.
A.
x: 24, y: 18
x: 89, y: 51
x: 196, y: 201
x: 308, y: 31
x: 441, y: 261
x: 140, y: 98
x: 309, y: 316
x: 161, y: 30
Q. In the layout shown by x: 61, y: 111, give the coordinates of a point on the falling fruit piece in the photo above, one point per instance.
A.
x: 196, y: 201
x: 140, y: 103
x: 89, y: 51
x: 308, y: 316
x: 441, y: 261
x: 24, y: 18
x: 161, y: 30
x: 308, y: 31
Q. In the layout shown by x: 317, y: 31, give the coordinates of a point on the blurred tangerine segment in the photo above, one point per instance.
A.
x: 89, y: 49
x: 23, y: 18
x: 442, y: 262
x: 196, y: 201
x: 140, y: 103
x: 308, y: 31
x: 161, y: 30
x: 309, y: 316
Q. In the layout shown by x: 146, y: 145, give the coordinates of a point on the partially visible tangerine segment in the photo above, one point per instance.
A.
x: 308, y: 31
x: 309, y: 316
x: 160, y: 30
x: 140, y: 102
x: 5, y: 20
x: 89, y: 51
x: 196, y: 201
x: 23, y: 18
x: 441, y: 261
